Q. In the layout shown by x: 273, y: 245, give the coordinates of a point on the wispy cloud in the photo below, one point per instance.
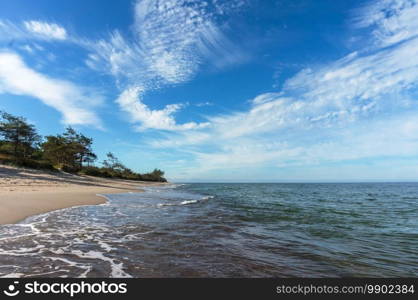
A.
x: 170, y: 40
x: 393, y: 137
x: 324, y: 114
x: 27, y: 48
x: 32, y: 30
x: 359, y: 106
x: 390, y: 21
x: 47, y: 30
x: 168, y: 43
x: 130, y: 102
x: 202, y: 104
x: 74, y: 102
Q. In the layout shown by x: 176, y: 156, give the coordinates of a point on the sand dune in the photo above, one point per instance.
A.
x: 26, y: 192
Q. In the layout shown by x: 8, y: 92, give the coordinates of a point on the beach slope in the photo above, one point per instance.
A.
x: 26, y: 192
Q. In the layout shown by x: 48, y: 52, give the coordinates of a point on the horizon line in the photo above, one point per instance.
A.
x: 346, y: 181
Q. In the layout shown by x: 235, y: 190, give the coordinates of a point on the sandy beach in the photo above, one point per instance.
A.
x: 27, y: 192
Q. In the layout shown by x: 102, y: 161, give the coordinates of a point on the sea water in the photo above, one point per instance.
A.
x: 224, y: 230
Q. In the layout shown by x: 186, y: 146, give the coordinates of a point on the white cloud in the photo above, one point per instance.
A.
x: 330, y: 113
x: 178, y: 35
x: 32, y: 30
x: 27, y: 48
x: 369, y: 140
x: 357, y: 78
x: 47, y: 30
x: 171, y: 39
x: 327, y: 114
x: 69, y: 99
x: 343, y: 91
x: 130, y: 102
x: 168, y: 43
x: 391, y: 21
x: 202, y: 104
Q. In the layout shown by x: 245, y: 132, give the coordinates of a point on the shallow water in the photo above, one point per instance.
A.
x: 224, y: 230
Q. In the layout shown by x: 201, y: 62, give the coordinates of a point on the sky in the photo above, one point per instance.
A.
x: 223, y: 91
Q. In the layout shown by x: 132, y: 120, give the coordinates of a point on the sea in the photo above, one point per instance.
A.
x: 224, y: 230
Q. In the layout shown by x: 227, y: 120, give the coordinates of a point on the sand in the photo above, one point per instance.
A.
x: 26, y: 192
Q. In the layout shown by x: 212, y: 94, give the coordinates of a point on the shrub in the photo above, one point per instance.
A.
x: 95, y: 171
x: 35, y: 164
x: 28, y: 163
x: 70, y: 169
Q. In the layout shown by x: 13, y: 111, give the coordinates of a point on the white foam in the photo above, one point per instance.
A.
x: 79, y: 239
x: 116, y: 269
x: 12, y: 275
x: 135, y: 236
x: 189, y: 202
x: 106, y: 246
x: 32, y: 221
x: 22, y: 251
x: 87, y: 269
x: 186, y: 202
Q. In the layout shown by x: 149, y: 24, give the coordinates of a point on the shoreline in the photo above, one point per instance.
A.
x: 26, y: 192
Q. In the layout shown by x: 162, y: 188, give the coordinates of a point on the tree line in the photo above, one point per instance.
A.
x: 71, y: 151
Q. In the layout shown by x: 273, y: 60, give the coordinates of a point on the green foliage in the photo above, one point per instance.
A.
x: 80, y: 147
x: 113, y: 168
x: 19, y: 137
x: 95, y: 171
x: 55, y: 150
x: 113, y: 164
x: 6, y: 147
x: 108, y: 173
x: 156, y: 175
x: 28, y: 163
x: 35, y: 164
x: 70, y: 152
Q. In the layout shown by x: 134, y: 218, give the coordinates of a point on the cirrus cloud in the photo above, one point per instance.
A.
x: 47, y: 30
x: 334, y: 112
x: 170, y: 41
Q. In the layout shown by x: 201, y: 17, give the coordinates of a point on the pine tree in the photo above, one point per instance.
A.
x: 21, y: 135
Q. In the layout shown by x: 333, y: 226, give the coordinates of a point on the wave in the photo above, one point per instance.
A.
x: 185, y: 202
x: 85, y: 241
x: 178, y: 204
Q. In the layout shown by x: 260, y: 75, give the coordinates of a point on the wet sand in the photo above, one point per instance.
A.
x: 26, y: 192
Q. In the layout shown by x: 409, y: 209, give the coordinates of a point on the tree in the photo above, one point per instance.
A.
x: 80, y: 145
x: 55, y: 150
x: 90, y: 158
x: 157, y: 173
x: 110, y: 161
x: 114, y: 165
x: 69, y: 150
x: 21, y: 135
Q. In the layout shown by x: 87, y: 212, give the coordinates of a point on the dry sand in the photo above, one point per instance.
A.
x: 26, y: 192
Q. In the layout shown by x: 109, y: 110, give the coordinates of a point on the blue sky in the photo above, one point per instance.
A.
x: 239, y: 90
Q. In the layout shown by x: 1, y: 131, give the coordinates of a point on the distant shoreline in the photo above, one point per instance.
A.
x: 26, y: 192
